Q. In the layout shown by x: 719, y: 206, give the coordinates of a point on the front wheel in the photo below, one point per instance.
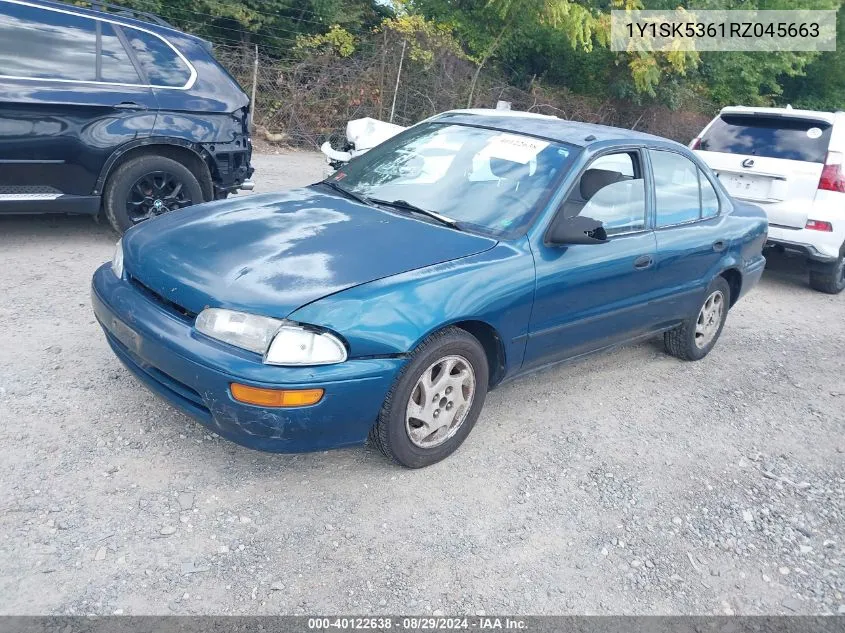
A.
x: 830, y: 280
x: 147, y: 186
x: 435, y: 401
x: 695, y: 337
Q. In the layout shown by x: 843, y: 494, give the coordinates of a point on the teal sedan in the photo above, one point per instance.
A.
x: 386, y: 301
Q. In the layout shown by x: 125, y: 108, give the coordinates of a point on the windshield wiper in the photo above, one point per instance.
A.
x: 404, y: 204
x: 346, y: 192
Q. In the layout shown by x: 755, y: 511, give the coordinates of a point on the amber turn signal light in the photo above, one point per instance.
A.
x: 262, y: 397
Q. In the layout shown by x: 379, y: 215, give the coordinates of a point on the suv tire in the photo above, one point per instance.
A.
x: 830, y: 279
x: 695, y: 337
x: 453, y: 399
x: 150, y: 184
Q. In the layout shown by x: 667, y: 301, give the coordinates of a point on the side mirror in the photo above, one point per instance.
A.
x: 577, y: 230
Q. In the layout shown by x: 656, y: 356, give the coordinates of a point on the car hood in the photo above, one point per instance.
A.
x: 273, y: 253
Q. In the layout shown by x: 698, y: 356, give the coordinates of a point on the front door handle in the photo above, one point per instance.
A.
x: 129, y: 105
x: 719, y: 246
x: 643, y: 261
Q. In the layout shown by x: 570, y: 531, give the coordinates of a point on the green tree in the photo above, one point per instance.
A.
x: 821, y: 85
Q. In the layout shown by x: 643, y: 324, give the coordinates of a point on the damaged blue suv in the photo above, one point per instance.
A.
x: 114, y: 111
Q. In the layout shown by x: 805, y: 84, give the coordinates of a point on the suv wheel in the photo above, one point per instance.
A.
x: 147, y: 186
x: 831, y: 279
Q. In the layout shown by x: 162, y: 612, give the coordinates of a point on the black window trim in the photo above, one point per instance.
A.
x: 188, y: 85
x: 701, y: 173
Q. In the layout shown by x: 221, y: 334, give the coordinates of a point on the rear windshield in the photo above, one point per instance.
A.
x: 773, y: 137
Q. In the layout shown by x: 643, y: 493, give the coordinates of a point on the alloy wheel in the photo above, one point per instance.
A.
x: 709, y: 319
x: 155, y: 193
x: 440, y: 401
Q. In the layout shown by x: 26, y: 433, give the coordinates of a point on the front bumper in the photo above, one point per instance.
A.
x: 193, y: 374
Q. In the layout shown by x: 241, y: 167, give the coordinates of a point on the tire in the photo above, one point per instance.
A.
x: 126, y: 185
x: 392, y: 433
x: 693, y: 340
x: 830, y: 280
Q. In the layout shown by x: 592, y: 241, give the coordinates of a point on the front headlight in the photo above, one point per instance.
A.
x: 247, y: 331
x: 294, y: 345
x: 280, y: 342
x: 117, y: 259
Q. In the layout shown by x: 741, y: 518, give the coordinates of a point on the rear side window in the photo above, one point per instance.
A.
x: 682, y: 192
x: 159, y: 61
x: 115, y: 65
x: 40, y: 44
x: 773, y: 137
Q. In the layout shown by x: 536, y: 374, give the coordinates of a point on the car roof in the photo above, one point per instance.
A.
x: 120, y: 15
x: 551, y: 127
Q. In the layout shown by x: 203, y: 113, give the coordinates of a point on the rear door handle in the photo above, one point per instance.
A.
x: 719, y: 246
x: 643, y: 261
x: 129, y: 105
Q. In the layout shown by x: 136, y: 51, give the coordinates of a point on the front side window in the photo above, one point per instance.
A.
x: 160, y: 62
x: 612, y: 191
x: 682, y: 192
x: 489, y: 180
x: 40, y: 44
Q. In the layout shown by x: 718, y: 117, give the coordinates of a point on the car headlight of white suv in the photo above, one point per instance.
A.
x: 280, y: 342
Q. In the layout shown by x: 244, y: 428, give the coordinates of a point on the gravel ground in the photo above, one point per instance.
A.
x: 627, y: 483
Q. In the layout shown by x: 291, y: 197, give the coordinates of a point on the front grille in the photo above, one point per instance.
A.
x: 152, y: 295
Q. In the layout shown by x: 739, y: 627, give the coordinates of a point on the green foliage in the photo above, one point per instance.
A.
x: 561, y: 43
x: 822, y: 84
x: 423, y: 37
x: 275, y: 25
x: 337, y: 40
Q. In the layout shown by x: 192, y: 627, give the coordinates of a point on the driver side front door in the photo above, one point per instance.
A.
x: 591, y: 296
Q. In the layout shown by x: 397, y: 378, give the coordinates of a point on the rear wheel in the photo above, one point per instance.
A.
x: 435, y: 401
x: 830, y: 280
x: 694, y: 339
x: 148, y: 186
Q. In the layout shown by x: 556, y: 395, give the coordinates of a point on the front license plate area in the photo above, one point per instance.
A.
x: 126, y: 335
x: 747, y: 186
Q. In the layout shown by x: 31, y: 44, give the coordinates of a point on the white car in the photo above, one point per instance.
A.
x: 790, y: 163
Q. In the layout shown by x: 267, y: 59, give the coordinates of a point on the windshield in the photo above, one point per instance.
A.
x: 490, y: 180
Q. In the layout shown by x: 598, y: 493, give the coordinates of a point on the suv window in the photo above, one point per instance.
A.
x: 115, y: 65
x: 40, y: 44
x: 159, y: 61
x: 682, y: 192
x: 774, y: 137
x: 611, y: 190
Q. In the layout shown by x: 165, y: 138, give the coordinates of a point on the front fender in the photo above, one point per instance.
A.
x: 391, y: 316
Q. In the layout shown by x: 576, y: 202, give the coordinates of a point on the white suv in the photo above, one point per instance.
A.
x: 790, y: 163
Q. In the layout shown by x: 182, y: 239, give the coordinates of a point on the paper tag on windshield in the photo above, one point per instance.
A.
x: 814, y: 132
x: 518, y: 149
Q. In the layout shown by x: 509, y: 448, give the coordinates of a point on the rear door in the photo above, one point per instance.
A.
x: 690, y: 233
x: 772, y: 159
x: 69, y: 96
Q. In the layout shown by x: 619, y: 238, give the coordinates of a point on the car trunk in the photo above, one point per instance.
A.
x: 775, y: 161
